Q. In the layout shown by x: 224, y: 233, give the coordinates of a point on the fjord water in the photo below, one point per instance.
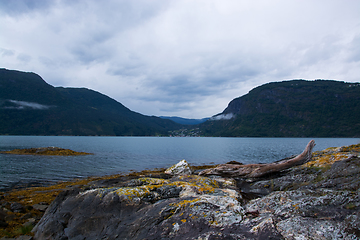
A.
x: 112, y: 155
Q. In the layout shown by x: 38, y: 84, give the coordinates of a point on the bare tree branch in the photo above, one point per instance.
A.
x: 260, y: 170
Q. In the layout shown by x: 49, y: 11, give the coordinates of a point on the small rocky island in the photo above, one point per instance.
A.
x: 318, y: 199
x: 45, y: 151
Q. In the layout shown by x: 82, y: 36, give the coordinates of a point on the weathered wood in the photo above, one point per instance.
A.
x: 260, y: 170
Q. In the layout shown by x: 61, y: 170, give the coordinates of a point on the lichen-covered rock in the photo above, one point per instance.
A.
x: 320, y: 200
x: 146, y: 208
x: 310, y: 214
x: 310, y: 228
x: 181, y: 168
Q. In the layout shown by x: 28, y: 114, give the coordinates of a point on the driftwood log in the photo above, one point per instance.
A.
x: 260, y: 170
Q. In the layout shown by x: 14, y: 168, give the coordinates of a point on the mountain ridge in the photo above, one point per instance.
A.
x: 30, y: 106
x: 294, y: 108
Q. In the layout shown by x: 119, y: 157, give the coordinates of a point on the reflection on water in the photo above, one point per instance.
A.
x: 121, y: 154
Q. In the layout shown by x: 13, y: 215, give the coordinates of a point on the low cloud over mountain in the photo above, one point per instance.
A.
x: 14, y: 104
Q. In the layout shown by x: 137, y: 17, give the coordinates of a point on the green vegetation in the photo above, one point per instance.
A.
x: 295, y: 108
x: 25, y: 229
x: 68, y: 111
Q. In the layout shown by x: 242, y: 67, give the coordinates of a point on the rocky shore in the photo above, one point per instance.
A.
x: 316, y: 200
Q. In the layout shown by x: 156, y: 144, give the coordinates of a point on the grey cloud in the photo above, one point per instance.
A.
x: 16, y: 7
x: 200, y: 83
x: 47, y: 61
x: 6, y: 52
x: 24, y: 58
x: 99, y: 35
x: 130, y: 64
x: 354, y: 49
x: 91, y: 47
x: 182, y: 92
x: 177, y: 89
x: 88, y: 54
x: 175, y: 106
x: 324, y: 50
x: 126, y: 70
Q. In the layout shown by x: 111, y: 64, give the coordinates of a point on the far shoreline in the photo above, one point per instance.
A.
x: 86, y: 179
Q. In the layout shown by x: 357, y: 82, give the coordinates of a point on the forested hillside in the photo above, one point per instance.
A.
x: 296, y: 108
x: 30, y: 106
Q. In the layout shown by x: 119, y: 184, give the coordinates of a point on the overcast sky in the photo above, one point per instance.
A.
x: 186, y: 58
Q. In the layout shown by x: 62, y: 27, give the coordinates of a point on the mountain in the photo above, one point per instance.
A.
x: 30, y: 106
x: 185, y: 121
x: 297, y: 108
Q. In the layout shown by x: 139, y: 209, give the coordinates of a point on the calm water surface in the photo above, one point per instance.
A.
x: 121, y: 154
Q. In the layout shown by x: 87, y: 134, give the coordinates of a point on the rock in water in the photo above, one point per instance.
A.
x: 45, y: 151
x: 181, y: 168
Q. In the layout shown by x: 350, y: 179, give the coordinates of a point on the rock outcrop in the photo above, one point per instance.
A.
x: 317, y: 200
x: 181, y: 168
x: 149, y: 209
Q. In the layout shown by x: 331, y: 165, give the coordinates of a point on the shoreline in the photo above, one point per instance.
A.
x: 35, y: 200
x: 49, y: 183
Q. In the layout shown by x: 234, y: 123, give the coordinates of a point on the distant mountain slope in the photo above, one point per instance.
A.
x: 297, y: 108
x: 30, y: 106
x: 185, y: 121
